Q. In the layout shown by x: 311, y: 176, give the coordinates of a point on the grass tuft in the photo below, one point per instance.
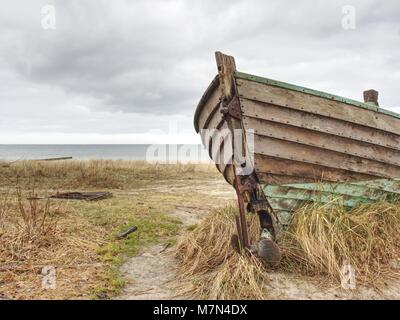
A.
x: 322, y: 238
x: 210, y: 269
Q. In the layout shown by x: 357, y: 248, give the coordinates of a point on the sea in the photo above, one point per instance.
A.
x: 164, y: 153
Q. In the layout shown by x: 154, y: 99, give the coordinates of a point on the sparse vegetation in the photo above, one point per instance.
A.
x: 322, y: 238
x: 319, y: 241
x: 211, y: 269
x: 109, y: 174
x: 78, y: 237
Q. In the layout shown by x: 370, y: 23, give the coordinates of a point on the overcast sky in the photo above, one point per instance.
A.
x: 133, y: 71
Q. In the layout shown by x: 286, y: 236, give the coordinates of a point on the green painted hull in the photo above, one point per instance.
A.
x: 287, y: 198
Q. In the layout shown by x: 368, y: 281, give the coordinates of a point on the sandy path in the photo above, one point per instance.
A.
x: 149, y: 275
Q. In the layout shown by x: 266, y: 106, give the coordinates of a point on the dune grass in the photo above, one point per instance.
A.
x: 106, y: 174
x: 319, y: 241
x: 322, y: 238
x: 208, y: 266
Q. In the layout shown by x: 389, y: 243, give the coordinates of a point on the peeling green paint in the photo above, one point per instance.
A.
x: 287, y: 198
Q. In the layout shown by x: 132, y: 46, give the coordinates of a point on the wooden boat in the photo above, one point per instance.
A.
x: 306, y: 145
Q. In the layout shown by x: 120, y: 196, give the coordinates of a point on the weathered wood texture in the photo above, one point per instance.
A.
x: 287, y: 198
x: 298, y: 135
x: 316, y: 105
x: 308, y: 145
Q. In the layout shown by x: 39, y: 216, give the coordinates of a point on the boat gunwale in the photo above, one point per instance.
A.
x: 275, y: 83
x: 317, y: 93
x: 212, y: 86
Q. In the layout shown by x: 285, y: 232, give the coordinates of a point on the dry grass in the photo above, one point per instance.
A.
x: 106, y: 174
x: 31, y: 227
x: 210, y: 269
x: 34, y: 234
x: 322, y: 238
x: 319, y: 241
x: 77, y: 237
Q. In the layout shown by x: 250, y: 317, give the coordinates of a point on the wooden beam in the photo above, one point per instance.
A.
x: 371, y: 97
x: 226, y: 69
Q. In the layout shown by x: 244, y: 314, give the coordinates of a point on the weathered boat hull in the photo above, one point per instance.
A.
x: 301, y: 139
x: 287, y: 198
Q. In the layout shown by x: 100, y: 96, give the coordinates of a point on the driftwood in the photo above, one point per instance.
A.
x: 87, y: 196
x: 54, y: 159
x: 124, y: 234
x: 8, y: 164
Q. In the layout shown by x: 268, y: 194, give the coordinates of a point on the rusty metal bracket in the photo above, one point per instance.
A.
x: 233, y: 108
x: 258, y: 205
x: 247, y: 183
x: 248, y: 187
x: 241, y: 219
x: 243, y: 185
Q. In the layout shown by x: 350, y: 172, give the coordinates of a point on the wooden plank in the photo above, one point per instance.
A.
x: 293, y: 87
x: 294, y: 200
x: 317, y: 93
x: 288, y: 198
x: 210, y: 107
x: 215, y: 140
x: 295, y: 151
x: 291, y: 169
x: 229, y: 174
x: 276, y: 179
x: 214, y: 121
x: 343, y: 188
x: 224, y: 156
x: 286, y: 204
x: 325, y: 190
x: 208, y: 136
x: 226, y: 70
x: 313, y: 104
x: 389, y: 185
x: 322, y: 140
x: 319, y: 123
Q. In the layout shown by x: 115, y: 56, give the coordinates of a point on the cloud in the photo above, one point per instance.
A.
x: 126, y: 67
